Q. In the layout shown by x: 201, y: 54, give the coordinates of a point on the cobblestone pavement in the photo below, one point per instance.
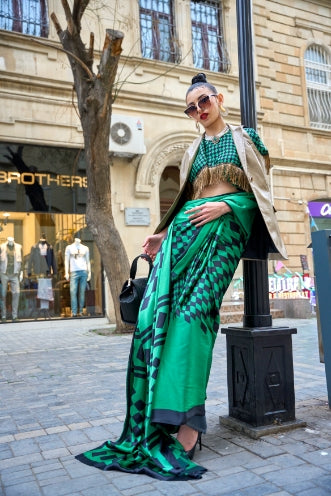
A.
x: 62, y: 390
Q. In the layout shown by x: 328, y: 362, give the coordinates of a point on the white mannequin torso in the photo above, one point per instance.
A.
x: 77, y: 257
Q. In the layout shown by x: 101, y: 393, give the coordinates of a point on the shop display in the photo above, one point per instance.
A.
x: 10, y: 274
x: 78, y: 272
x: 42, y: 207
x: 42, y: 260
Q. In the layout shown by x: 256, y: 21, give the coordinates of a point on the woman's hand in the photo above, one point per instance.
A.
x: 207, y: 212
x: 152, y: 244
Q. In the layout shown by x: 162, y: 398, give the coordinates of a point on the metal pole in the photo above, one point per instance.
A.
x: 256, y: 284
x: 246, y: 64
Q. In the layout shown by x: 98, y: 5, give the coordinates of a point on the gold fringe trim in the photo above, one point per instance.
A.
x: 267, y: 163
x: 230, y: 173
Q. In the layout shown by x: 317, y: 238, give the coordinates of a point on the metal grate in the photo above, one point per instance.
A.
x: 157, y: 30
x: 318, y: 80
x: 24, y: 16
x: 209, y: 50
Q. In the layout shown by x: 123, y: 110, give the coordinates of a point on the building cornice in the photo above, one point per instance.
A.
x: 308, y: 24
x: 322, y: 3
x: 323, y: 167
x: 31, y: 81
x: 299, y: 129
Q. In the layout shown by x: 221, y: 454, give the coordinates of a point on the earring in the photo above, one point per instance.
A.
x: 197, y: 125
x: 223, y: 112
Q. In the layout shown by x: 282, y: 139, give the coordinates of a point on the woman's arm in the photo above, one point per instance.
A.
x: 152, y: 243
x: 207, y: 212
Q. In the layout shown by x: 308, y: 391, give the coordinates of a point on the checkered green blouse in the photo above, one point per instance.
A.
x: 220, y: 162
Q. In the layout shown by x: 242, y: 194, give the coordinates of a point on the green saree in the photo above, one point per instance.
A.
x: 171, y: 351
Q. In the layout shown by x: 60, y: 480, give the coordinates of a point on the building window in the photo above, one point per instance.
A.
x: 24, y: 16
x: 42, y: 208
x: 209, y: 50
x: 157, y: 30
x: 318, y: 80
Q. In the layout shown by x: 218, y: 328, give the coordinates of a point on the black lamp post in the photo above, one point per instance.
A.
x: 259, y: 357
x: 257, y: 308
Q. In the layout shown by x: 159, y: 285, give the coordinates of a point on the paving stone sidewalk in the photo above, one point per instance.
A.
x: 62, y: 391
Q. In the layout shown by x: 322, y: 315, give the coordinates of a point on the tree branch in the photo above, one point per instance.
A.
x: 71, y: 25
x: 109, y: 58
x: 78, y: 11
x: 56, y: 23
x: 75, y: 10
x: 91, y: 48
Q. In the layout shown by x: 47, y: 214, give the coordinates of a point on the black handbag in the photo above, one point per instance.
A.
x: 133, y: 292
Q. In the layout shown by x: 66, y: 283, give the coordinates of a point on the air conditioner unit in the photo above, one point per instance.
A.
x: 126, y: 136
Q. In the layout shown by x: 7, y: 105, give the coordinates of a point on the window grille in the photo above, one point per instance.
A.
x: 318, y: 80
x: 24, y: 16
x: 209, y: 50
x: 157, y: 30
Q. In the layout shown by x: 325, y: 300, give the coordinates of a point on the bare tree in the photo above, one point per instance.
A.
x: 94, y: 96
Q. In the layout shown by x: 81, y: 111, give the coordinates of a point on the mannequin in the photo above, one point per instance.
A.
x: 42, y: 259
x: 59, y: 249
x: 10, y: 272
x: 78, y: 271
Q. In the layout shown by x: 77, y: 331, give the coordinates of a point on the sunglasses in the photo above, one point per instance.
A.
x: 204, y: 104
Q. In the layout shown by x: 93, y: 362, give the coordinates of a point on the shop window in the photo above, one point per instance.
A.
x: 24, y: 16
x: 47, y: 243
x: 42, y: 218
x: 169, y: 188
x: 42, y: 178
x: 318, y: 82
x: 208, y: 43
x: 157, y: 30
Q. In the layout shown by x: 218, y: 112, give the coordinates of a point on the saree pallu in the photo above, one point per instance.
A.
x: 171, y: 351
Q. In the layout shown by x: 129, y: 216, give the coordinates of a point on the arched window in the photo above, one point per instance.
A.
x: 169, y: 188
x: 318, y: 81
x: 24, y: 16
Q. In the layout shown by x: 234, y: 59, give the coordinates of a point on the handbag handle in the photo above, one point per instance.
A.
x: 133, y: 269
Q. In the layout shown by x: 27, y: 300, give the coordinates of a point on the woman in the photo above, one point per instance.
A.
x: 196, y: 250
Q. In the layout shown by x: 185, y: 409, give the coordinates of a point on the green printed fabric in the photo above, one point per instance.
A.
x: 224, y: 152
x: 172, y: 345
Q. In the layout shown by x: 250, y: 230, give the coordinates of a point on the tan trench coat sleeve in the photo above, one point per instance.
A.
x: 255, y: 169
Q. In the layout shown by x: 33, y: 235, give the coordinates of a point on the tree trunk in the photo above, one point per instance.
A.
x: 94, y: 95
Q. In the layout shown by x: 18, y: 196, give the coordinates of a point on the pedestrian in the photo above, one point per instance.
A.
x: 196, y: 250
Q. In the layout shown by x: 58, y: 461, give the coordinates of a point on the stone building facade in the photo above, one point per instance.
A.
x: 165, y: 44
x: 286, y: 38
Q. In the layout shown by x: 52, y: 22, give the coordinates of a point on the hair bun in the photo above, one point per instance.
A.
x: 199, y: 78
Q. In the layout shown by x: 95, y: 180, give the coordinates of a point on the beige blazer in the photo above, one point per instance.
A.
x: 265, y: 238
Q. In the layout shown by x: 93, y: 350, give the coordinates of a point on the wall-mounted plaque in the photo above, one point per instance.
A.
x: 137, y: 216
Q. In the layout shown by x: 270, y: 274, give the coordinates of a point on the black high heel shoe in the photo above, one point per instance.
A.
x: 190, y: 453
